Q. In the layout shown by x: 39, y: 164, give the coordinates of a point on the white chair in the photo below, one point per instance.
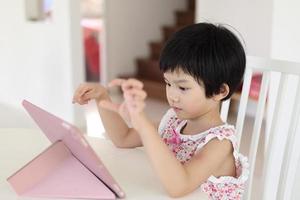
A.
x: 275, y: 185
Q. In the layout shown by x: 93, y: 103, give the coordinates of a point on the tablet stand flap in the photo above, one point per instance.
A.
x: 57, y: 173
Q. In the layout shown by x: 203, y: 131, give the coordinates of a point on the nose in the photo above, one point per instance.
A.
x: 173, y: 96
x: 174, y: 99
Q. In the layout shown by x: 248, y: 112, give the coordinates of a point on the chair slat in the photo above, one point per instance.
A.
x: 257, y: 129
x: 243, y: 105
x: 290, y: 157
x: 224, y: 110
x: 268, y: 191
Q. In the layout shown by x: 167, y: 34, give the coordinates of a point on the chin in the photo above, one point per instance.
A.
x: 181, y: 117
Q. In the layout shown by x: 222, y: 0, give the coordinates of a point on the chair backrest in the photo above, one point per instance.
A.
x: 287, y: 163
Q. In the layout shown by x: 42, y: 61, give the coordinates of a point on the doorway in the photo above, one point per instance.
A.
x: 92, y: 28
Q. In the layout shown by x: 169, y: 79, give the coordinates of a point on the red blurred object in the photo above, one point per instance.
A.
x: 254, y: 87
x: 91, y: 31
x: 91, y: 47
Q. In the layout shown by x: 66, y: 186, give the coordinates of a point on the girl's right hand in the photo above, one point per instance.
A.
x: 87, y: 91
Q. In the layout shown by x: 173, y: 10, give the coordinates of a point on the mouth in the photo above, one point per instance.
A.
x: 176, y: 109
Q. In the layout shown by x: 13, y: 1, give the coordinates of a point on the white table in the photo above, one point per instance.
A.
x: 129, y: 167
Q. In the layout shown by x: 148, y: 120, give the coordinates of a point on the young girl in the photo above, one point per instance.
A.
x: 202, y: 65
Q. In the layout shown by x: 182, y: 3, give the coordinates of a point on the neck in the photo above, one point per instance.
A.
x: 204, y: 122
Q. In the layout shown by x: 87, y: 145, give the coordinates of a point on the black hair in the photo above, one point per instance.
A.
x: 210, y: 53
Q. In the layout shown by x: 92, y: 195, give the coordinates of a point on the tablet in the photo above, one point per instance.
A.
x: 58, y: 130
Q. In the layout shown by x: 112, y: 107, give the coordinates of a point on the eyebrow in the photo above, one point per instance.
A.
x: 177, y: 81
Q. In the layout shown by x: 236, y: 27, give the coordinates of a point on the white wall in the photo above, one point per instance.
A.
x: 130, y: 26
x: 252, y: 19
x: 269, y: 28
x: 39, y: 61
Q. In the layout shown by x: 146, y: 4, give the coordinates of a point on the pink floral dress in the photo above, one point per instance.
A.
x: 185, y: 146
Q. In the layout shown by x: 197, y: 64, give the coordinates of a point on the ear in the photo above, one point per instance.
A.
x: 224, y: 91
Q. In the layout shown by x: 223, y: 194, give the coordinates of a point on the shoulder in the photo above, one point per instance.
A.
x: 216, y: 145
x: 214, y: 153
x: 225, y: 131
x: 223, y: 135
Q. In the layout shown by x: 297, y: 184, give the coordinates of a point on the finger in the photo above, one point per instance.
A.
x: 126, y: 84
x: 82, y: 101
x: 84, y: 90
x: 136, y: 106
x: 132, y: 101
x: 137, y: 93
x: 78, y: 99
x: 128, y: 97
x: 132, y: 83
x: 116, y: 82
x: 88, y: 95
x: 109, y: 105
x: 75, y: 96
x: 79, y: 92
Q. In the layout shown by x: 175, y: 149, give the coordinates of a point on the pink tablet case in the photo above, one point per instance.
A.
x: 69, y: 168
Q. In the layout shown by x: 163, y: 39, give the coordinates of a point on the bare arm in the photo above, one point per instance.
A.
x: 180, y: 179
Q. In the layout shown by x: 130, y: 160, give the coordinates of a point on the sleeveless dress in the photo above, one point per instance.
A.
x: 185, y: 146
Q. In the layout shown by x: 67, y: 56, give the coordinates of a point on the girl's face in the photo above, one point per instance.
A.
x: 187, y: 97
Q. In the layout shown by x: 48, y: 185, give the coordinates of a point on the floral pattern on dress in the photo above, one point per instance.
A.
x: 185, y: 146
x: 223, y: 191
x: 183, y: 150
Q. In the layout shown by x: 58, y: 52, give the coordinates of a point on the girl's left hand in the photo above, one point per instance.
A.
x: 134, y: 98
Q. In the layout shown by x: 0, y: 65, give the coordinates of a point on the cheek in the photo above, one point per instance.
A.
x: 194, y: 104
x: 192, y: 98
x: 167, y: 91
x: 167, y: 94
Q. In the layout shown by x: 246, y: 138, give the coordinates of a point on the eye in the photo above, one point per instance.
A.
x: 168, y: 84
x: 183, y: 88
